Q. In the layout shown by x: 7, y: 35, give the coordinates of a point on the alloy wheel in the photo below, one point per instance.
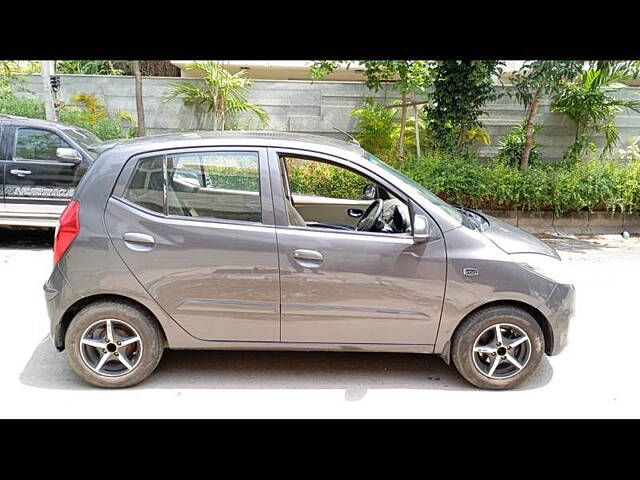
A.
x: 111, y: 347
x: 501, y: 351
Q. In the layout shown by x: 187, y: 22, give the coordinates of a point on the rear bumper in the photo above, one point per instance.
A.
x: 559, y: 309
x: 29, y: 221
x: 59, y: 297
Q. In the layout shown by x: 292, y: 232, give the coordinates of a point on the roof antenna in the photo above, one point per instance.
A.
x: 348, y: 135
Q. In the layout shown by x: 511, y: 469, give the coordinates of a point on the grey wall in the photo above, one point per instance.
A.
x: 302, y: 106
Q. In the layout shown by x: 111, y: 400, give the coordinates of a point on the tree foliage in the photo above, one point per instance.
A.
x: 590, y: 102
x: 535, y: 79
x: 377, y: 129
x: 461, y: 89
x: 409, y: 77
x: 321, y: 68
x: 544, y: 77
x: 93, y: 67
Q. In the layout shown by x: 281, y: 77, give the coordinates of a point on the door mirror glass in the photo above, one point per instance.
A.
x: 420, y: 229
x: 69, y: 155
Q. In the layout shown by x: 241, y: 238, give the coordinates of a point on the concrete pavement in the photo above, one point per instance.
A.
x: 596, y: 376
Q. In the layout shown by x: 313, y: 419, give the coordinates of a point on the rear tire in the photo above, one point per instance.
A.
x: 130, y: 355
x: 498, y: 347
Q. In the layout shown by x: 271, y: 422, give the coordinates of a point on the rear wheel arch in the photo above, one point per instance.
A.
x: 73, y: 310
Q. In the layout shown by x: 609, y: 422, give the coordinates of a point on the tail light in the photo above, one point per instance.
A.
x: 67, y: 230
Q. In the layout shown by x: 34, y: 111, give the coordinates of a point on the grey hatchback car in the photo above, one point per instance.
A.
x: 281, y: 241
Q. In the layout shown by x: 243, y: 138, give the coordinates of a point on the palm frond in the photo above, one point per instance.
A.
x: 223, y: 93
x: 589, y: 102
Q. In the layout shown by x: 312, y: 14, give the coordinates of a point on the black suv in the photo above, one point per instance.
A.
x: 41, y: 164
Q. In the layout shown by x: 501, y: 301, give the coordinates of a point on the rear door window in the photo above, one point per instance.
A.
x: 221, y: 185
x: 203, y: 185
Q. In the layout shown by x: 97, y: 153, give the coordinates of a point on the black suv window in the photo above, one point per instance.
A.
x: 224, y: 185
x: 146, y: 185
x: 36, y: 144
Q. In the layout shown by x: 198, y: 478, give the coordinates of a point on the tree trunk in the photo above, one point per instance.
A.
x: 139, y: 104
x: 532, y: 111
x: 403, y: 124
x: 417, y: 126
x: 461, y: 135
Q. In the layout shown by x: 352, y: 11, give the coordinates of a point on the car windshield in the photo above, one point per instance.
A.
x: 85, y: 139
x: 437, y: 201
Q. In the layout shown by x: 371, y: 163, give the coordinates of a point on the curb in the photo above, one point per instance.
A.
x: 594, y: 223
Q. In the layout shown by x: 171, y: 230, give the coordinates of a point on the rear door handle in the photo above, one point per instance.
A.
x: 139, y: 242
x: 355, y: 212
x: 20, y: 173
x: 308, y: 258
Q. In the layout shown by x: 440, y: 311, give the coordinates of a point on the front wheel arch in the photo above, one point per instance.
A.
x: 539, y: 317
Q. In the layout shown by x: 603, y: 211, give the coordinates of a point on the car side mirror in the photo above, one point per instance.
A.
x: 370, y: 191
x: 70, y: 155
x: 420, y: 229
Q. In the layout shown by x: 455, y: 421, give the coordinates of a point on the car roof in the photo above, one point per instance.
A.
x: 237, y: 138
x: 34, y: 121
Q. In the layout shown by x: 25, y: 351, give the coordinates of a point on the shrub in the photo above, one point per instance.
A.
x: 316, y: 178
x: 377, y: 128
x: 21, y: 106
x: 379, y: 131
x: 95, y: 120
x: 94, y: 117
x: 105, y: 128
x: 594, y: 184
x: 512, y: 145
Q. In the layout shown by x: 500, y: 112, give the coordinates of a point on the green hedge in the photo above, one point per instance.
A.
x: 591, y: 184
x: 594, y: 184
x: 561, y: 187
x: 315, y: 178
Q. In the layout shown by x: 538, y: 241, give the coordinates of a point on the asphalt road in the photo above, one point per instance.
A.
x: 595, y: 377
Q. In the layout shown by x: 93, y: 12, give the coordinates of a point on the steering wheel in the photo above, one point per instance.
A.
x: 370, y: 216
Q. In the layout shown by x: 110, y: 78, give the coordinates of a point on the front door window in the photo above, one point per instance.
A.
x: 36, y: 144
x: 324, y: 195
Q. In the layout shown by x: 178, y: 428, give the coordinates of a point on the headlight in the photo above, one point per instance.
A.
x: 544, y: 265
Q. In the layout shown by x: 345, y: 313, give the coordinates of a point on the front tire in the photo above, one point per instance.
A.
x: 113, y: 344
x: 498, y: 347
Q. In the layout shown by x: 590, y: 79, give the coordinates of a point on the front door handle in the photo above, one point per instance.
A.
x: 19, y: 172
x: 139, y: 242
x: 355, y: 212
x: 308, y: 258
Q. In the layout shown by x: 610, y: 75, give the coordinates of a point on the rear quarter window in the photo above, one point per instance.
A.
x: 146, y: 185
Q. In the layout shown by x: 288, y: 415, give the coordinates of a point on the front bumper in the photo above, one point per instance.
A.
x: 559, y: 309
